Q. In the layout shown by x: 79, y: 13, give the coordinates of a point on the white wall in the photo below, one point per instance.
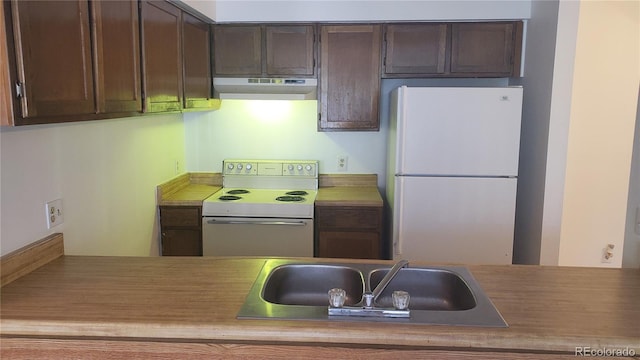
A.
x: 277, y: 130
x: 601, y: 128
x: 105, y: 172
x: 555, y: 157
x: 363, y: 10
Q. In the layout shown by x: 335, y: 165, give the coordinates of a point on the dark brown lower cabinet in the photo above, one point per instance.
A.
x: 181, y: 230
x: 348, y: 232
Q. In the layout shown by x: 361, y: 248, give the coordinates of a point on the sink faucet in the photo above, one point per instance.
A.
x: 370, y: 297
x: 365, y: 306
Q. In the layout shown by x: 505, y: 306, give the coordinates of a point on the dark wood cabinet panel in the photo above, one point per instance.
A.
x: 6, y: 98
x: 488, y: 48
x: 181, y: 242
x: 198, y: 89
x: 162, y: 56
x: 264, y: 50
x: 117, y: 56
x: 237, y: 50
x: 290, y: 50
x: 53, y: 54
x: 349, y: 217
x: 181, y: 216
x: 351, y: 244
x: 349, y: 77
x: 181, y: 230
x: 348, y: 232
x: 415, y: 49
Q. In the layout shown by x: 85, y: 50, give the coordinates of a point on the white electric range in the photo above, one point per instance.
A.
x: 265, y: 208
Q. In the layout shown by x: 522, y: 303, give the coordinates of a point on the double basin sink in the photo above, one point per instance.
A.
x: 298, y: 290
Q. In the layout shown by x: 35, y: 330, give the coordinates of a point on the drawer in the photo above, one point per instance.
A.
x: 348, y: 217
x: 183, y: 216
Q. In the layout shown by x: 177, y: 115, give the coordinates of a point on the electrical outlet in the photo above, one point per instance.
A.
x: 343, y: 162
x: 607, y: 253
x: 55, y: 214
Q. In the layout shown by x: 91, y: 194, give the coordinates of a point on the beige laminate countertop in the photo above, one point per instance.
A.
x: 195, y: 299
x: 190, y: 189
x: 348, y: 196
x: 348, y: 190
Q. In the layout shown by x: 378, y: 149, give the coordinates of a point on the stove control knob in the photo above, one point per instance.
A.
x: 290, y: 167
x: 239, y: 166
x: 248, y: 167
x: 230, y: 166
x: 299, y: 167
x: 308, y: 167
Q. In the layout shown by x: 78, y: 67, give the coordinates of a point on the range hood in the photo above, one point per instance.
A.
x: 266, y: 88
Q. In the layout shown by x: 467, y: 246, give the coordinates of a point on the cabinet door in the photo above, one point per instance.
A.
x: 349, y: 77
x: 290, y: 50
x: 197, y: 63
x: 483, y: 48
x: 237, y: 50
x: 348, y: 232
x: 351, y: 244
x: 181, y: 228
x: 162, y: 56
x: 117, y: 49
x: 415, y: 49
x: 6, y: 99
x: 181, y: 242
x: 53, y: 55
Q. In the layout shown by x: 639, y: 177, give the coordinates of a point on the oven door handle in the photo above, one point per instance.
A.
x: 256, y: 222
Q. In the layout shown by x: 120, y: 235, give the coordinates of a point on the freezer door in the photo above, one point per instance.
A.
x: 458, y: 131
x: 454, y: 220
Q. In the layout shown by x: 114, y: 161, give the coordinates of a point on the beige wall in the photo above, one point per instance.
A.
x: 601, y: 127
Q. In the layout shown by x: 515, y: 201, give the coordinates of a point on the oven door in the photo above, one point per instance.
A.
x: 237, y: 236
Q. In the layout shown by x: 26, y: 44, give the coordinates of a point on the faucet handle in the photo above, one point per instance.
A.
x: 400, y: 299
x: 337, y: 297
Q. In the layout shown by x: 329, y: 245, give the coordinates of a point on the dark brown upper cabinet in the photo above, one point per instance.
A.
x: 6, y: 99
x: 415, y: 49
x: 490, y: 49
x: 76, y: 60
x: 196, y: 42
x: 72, y: 60
x: 161, y: 56
x: 117, y: 56
x: 349, y: 77
x: 53, y: 59
x: 264, y: 50
x: 290, y: 50
x: 452, y: 49
x: 237, y: 50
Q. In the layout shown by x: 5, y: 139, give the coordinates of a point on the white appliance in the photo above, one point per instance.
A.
x: 266, y: 88
x: 452, y: 173
x: 265, y: 208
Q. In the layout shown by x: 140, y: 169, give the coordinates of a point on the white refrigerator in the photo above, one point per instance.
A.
x: 452, y: 173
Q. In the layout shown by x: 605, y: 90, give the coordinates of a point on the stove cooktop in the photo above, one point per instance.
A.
x: 265, y: 188
x: 260, y: 203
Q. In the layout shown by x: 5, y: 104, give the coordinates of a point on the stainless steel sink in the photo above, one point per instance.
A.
x: 297, y: 290
x: 430, y: 289
x: 308, y: 284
